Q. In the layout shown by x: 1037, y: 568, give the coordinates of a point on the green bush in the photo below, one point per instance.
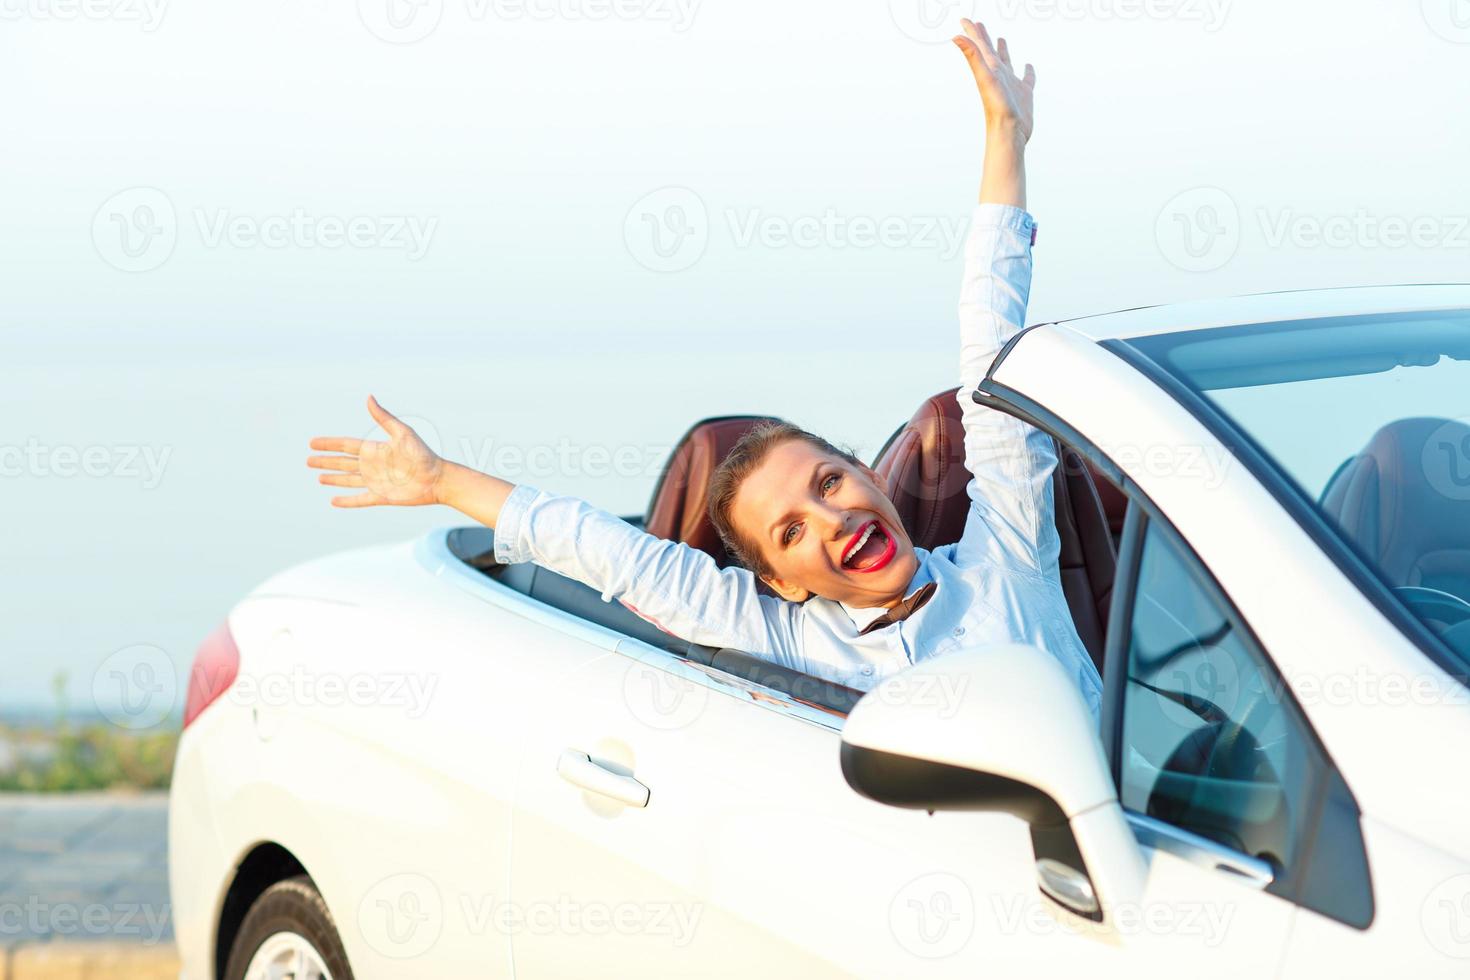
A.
x: 92, y: 755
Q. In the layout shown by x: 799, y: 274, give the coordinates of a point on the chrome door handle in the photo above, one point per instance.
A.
x: 579, y: 770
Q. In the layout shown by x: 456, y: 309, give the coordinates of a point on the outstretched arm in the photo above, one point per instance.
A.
x: 1011, y: 519
x: 674, y: 586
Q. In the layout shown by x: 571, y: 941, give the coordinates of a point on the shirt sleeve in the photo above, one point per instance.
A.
x: 1011, y: 519
x: 677, y: 588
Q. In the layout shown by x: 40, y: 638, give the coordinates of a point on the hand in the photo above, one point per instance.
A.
x: 1006, y: 97
x: 403, y: 472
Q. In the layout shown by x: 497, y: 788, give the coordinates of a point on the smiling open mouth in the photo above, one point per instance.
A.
x: 869, y: 549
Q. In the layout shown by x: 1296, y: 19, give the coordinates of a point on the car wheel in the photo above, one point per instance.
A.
x: 288, y: 932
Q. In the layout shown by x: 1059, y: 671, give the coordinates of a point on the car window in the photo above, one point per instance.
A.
x: 1207, y: 743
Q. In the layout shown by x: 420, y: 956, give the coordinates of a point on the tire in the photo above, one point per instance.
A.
x: 288, y: 907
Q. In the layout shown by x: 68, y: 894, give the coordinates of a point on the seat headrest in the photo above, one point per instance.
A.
x: 923, y: 465
x: 678, y: 510
x: 1405, y: 501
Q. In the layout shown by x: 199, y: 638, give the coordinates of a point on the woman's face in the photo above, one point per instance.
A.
x: 824, y: 527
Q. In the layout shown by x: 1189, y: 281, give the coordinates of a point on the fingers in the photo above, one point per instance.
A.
x: 1030, y: 77
x: 972, y: 54
x: 347, y: 464
x: 386, y: 419
x: 1005, y: 53
x: 337, y: 444
x: 368, y: 499
x: 353, y: 480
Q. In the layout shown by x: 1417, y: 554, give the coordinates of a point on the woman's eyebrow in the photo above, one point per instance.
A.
x: 771, y: 531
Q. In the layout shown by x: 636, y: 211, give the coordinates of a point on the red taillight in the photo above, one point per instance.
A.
x: 216, y: 666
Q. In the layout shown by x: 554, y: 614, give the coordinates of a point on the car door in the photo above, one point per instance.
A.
x: 1219, y: 773
x: 751, y: 856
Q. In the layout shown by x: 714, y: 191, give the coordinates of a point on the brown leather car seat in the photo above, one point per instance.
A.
x: 678, y: 509
x: 923, y: 464
x: 1405, y: 502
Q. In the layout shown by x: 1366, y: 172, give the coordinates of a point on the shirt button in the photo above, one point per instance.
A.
x: 867, y: 668
x: 959, y: 631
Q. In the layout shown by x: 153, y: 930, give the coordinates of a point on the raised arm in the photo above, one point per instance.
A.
x: 678, y: 588
x: 1011, y: 519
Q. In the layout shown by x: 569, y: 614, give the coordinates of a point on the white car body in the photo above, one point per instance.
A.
x: 416, y: 735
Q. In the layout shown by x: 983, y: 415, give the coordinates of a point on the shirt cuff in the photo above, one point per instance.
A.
x: 1006, y: 217
x: 509, y: 547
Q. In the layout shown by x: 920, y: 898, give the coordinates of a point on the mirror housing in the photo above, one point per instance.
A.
x: 1000, y: 728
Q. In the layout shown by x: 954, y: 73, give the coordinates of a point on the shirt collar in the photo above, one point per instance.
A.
x: 863, y: 615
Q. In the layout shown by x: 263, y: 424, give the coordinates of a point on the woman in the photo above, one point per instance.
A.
x: 858, y: 600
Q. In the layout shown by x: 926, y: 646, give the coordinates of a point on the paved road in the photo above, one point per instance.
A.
x: 84, y: 868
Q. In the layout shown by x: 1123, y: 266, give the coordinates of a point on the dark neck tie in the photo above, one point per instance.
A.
x: 902, y: 611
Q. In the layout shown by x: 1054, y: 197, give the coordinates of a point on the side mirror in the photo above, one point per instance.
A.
x: 1001, y: 728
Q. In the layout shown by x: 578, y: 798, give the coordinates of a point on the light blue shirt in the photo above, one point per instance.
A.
x: 1000, y: 583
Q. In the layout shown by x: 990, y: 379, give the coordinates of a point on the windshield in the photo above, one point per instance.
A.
x: 1368, y: 417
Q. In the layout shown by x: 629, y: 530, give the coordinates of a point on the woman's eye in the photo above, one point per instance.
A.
x: 786, y: 538
x: 829, y: 483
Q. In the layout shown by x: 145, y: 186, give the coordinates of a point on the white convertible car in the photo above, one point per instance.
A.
x: 412, y: 762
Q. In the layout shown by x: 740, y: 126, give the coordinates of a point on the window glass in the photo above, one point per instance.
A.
x: 1368, y: 417
x: 1207, y: 743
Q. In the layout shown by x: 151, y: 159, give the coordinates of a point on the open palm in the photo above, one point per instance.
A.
x: 1007, y: 97
x: 403, y: 471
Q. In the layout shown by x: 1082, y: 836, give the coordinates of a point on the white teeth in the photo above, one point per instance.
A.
x: 867, y: 533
